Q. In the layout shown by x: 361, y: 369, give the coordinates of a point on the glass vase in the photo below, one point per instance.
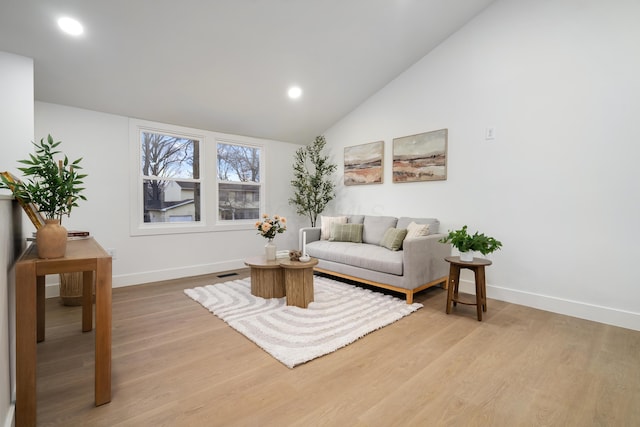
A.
x: 270, y: 250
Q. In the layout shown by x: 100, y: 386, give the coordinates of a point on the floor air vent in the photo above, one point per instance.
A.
x: 227, y: 275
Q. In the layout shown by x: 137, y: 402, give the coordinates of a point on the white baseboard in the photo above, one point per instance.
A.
x: 596, y: 313
x: 52, y: 289
x: 582, y: 310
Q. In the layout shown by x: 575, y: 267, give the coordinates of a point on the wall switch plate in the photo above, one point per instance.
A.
x: 490, y: 133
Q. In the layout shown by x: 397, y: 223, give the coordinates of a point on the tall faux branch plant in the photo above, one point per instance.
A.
x: 313, y: 188
x: 53, y: 186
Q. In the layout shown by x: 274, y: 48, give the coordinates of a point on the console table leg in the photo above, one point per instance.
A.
x: 26, y: 336
x: 87, y: 301
x: 103, y: 331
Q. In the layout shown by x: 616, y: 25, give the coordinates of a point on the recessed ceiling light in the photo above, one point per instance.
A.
x: 294, y: 92
x: 70, y: 26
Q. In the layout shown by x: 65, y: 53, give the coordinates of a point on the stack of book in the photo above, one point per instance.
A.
x: 77, y: 234
x: 282, y: 254
x: 71, y: 235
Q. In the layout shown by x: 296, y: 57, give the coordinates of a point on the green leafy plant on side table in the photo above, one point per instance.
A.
x: 53, y: 186
x: 467, y: 243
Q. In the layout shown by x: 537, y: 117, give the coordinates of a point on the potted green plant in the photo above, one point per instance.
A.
x: 54, y: 187
x: 467, y: 243
x: 312, y: 186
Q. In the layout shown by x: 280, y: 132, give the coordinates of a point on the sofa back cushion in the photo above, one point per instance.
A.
x: 434, y: 224
x: 375, y: 227
x: 346, y: 233
x: 356, y: 219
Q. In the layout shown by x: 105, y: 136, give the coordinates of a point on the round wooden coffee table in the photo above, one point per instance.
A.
x: 267, y: 278
x: 298, y: 281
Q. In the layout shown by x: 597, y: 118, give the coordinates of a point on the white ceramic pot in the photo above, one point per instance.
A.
x: 466, y: 256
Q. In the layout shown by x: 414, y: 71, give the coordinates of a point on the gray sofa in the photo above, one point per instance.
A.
x: 418, y: 264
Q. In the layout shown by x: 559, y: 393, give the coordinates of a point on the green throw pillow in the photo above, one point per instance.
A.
x: 346, y: 233
x: 393, y: 238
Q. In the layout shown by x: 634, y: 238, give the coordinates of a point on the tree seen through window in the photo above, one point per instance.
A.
x: 238, y: 181
x: 170, y: 170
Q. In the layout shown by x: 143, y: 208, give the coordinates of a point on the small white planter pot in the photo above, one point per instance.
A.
x: 466, y: 256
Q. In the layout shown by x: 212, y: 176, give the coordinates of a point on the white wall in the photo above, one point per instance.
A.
x: 16, y: 109
x: 103, y: 142
x: 16, y: 134
x: 559, y: 185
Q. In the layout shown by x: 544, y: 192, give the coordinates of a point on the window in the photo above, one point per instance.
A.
x: 169, y: 166
x: 185, y: 180
x: 238, y: 181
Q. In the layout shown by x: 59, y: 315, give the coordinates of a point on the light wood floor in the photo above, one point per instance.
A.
x: 175, y: 364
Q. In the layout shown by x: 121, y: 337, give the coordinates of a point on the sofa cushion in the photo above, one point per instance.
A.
x: 325, y: 225
x: 375, y: 227
x: 417, y: 230
x: 434, y: 224
x: 371, y: 257
x: 346, y: 233
x: 356, y: 219
x: 393, y: 238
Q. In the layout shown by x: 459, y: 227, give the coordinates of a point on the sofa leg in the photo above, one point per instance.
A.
x: 409, y: 297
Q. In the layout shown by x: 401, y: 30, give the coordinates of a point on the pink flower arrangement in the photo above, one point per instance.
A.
x: 268, y: 227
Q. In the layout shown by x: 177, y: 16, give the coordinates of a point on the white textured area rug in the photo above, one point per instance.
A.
x: 339, y: 315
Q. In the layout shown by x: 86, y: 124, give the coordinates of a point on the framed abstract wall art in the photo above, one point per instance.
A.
x: 363, y: 164
x: 421, y: 157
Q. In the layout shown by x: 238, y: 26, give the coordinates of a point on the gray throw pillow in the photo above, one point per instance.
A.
x: 346, y: 233
x: 393, y: 238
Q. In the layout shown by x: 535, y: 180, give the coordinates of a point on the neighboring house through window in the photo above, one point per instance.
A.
x: 188, y: 180
x: 170, y: 166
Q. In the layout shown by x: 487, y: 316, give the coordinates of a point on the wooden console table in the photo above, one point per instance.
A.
x: 86, y: 256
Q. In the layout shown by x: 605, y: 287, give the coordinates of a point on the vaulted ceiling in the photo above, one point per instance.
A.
x: 226, y: 65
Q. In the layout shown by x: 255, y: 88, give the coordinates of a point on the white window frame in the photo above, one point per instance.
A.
x: 208, y: 180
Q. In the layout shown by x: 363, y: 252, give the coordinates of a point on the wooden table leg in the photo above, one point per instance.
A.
x: 87, y: 301
x: 482, y: 285
x: 26, y: 336
x: 299, y: 286
x: 452, y: 290
x: 103, y: 331
x: 477, y: 273
x: 40, y: 294
x: 267, y: 282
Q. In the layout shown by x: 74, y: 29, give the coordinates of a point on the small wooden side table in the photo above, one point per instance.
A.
x: 84, y: 255
x: 298, y: 281
x: 267, y: 279
x: 477, y: 266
